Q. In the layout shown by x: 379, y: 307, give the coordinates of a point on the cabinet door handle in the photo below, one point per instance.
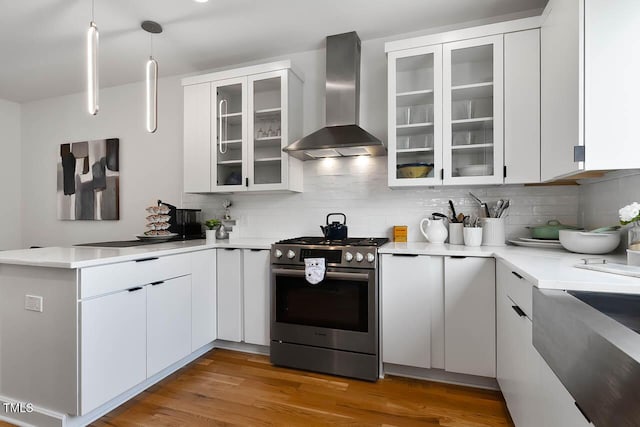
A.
x: 147, y: 259
x: 519, y: 311
x: 157, y: 283
x: 517, y: 275
x: 137, y: 288
x: 582, y: 412
x: 457, y: 257
x: 256, y: 250
x: 230, y: 249
x: 407, y: 255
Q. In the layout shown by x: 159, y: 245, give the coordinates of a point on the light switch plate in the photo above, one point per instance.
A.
x: 33, y: 303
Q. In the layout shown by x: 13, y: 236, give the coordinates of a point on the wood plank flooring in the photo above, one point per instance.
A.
x: 227, y: 388
x: 231, y: 388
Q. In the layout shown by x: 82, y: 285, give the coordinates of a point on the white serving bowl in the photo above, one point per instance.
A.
x: 584, y: 242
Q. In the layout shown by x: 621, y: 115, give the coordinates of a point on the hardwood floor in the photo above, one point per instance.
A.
x: 231, y: 388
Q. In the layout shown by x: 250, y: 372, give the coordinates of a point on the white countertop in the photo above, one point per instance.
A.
x: 87, y: 256
x: 545, y: 268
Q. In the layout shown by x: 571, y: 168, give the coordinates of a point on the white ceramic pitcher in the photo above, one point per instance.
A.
x: 435, y: 231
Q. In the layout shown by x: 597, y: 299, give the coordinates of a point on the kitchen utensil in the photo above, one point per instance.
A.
x: 161, y: 238
x: 504, y: 208
x: 414, y: 170
x: 335, y: 230
x: 439, y: 215
x: 453, y: 211
x: 472, y: 236
x: 493, y: 232
x: 435, y: 231
x: 550, y: 230
x: 498, y: 208
x: 585, y: 242
x: 456, y: 236
x: 482, y: 204
x: 475, y: 170
x: 541, y: 245
x: 460, y: 217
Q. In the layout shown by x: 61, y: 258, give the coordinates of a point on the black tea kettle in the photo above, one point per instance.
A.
x: 335, y: 230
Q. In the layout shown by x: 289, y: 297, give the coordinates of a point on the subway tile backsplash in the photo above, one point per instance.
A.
x: 358, y: 187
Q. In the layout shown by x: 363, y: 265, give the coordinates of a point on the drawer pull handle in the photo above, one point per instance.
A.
x: 230, y: 249
x: 582, y: 412
x: 407, y: 255
x: 157, y: 283
x: 147, y: 259
x: 135, y: 289
x: 256, y: 250
x: 519, y: 311
x: 457, y: 257
x: 517, y: 275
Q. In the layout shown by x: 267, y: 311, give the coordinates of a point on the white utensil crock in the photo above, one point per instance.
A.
x: 472, y: 236
x: 456, y: 236
x: 493, y: 231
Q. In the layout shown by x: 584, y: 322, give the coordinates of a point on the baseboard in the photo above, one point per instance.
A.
x: 440, y: 375
x: 41, y: 417
x: 242, y: 347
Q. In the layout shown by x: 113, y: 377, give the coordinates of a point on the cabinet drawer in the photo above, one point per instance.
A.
x: 104, y: 279
x: 516, y: 287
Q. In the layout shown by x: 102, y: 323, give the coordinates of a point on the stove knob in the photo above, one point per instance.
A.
x: 278, y: 253
x: 370, y: 257
x: 359, y: 257
x: 348, y: 256
x: 291, y: 254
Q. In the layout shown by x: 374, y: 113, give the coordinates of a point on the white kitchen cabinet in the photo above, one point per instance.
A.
x: 473, y: 111
x: 234, y: 134
x: 256, y: 301
x: 522, y: 107
x: 588, y: 118
x: 415, y: 114
x: 203, y: 298
x: 534, y: 395
x: 197, y: 138
x: 406, y: 287
x: 168, y: 322
x: 229, y: 294
x: 469, y: 312
x: 113, y: 345
x: 466, y: 106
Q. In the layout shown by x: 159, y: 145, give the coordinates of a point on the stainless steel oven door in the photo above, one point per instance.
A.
x: 337, y: 313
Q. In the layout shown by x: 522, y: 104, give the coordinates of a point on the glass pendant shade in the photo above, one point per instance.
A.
x: 92, y: 68
x: 152, y: 94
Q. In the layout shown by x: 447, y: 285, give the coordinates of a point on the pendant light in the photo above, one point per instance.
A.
x: 151, y: 81
x: 92, y: 64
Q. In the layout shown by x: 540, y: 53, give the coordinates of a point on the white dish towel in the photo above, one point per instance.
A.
x: 314, y: 270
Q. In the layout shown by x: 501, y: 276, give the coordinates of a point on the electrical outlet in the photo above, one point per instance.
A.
x: 33, y: 303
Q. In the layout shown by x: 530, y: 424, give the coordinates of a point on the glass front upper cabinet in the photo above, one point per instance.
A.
x: 267, y: 129
x: 229, y: 131
x: 472, y: 111
x: 415, y: 98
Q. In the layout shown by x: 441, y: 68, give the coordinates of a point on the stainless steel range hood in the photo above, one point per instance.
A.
x: 341, y: 136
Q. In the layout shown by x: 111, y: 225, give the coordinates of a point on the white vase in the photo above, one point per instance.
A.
x: 210, y: 236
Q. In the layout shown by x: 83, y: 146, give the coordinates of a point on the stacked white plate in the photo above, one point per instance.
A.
x: 530, y: 242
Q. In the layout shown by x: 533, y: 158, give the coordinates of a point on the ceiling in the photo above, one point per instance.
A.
x: 42, y: 42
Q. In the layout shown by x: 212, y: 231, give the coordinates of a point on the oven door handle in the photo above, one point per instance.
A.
x: 329, y: 274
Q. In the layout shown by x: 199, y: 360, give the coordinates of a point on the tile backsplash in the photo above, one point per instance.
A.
x: 358, y: 187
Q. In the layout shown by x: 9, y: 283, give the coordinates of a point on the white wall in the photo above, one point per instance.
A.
x: 359, y: 188
x: 10, y: 175
x: 601, y: 199
x: 151, y: 168
x: 150, y: 164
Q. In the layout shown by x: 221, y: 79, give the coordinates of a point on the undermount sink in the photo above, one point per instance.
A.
x: 623, y: 308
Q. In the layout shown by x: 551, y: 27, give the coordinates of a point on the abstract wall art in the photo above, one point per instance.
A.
x: 89, y: 180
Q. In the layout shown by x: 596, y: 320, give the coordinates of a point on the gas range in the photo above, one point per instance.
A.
x: 349, y: 253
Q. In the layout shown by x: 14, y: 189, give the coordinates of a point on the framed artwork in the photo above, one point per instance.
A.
x: 89, y: 180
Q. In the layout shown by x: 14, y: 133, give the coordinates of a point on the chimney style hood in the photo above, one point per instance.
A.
x: 341, y: 136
